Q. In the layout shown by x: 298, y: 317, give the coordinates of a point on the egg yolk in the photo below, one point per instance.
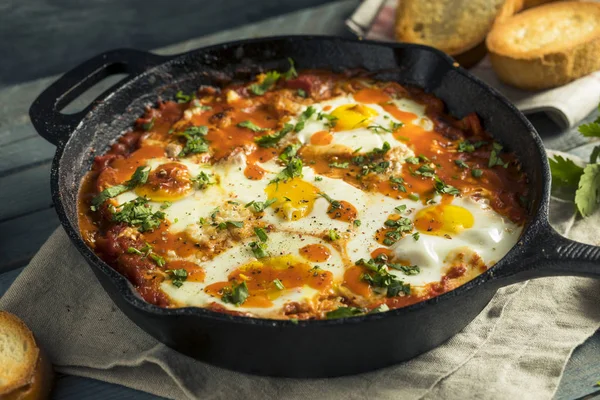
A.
x: 169, y: 181
x: 443, y: 219
x: 353, y: 116
x: 295, y: 198
x: 269, y: 278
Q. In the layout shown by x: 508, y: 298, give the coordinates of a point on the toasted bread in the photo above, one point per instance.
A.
x: 535, y: 3
x: 547, y: 46
x: 453, y: 26
x: 24, y: 373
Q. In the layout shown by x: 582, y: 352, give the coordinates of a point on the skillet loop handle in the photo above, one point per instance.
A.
x: 551, y: 254
x: 45, y: 114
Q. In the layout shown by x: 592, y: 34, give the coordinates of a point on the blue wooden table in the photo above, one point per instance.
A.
x: 43, y: 38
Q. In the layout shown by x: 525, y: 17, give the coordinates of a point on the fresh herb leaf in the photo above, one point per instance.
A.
x: 235, y: 224
x: 236, y: 294
x: 165, y: 205
x: 379, y: 277
x: 595, y: 155
x: 260, y: 232
x: 331, y: 120
x: 476, y: 173
x: 443, y: 188
x: 400, y: 209
x: 333, y: 235
x: 342, y: 165
x: 378, y: 129
x: 259, y: 249
x: 495, y: 156
x: 302, y: 93
x: 394, y: 126
x: 344, y: 312
x: 278, y: 284
x: 272, y: 139
x: 250, y: 125
x: 139, y: 177
x: 195, y: 140
x: 318, y: 178
x: 292, y: 169
x: 592, y: 129
x: 406, y: 269
x: 148, y: 125
x: 416, y: 235
x: 398, y: 184
x: 138, y: 213
x: 259, y: 206
x: 426, y: 170
x: 397, y: 229
x: 565, y: 172
x: 334, y: 203
x: 412, y: 160
x: 203, y: 180
x: 357, y: 223
x: 461, y: 163
x: 291, y: 73
x: 267, y: 83
x: 305, y: 116
x: 178, y: 276
x: 466, y: 146
x: 184, y: 98
x: 157, y: 259
x: 587, y: 196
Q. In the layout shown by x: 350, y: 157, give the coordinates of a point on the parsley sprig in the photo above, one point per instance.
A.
x: 584, y: 181
x: 138, y: 213
x: 139, y: 177
x: 379, y: 277
x: 195, y: 140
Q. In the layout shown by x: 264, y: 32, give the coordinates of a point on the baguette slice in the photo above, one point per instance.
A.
x: 547, y: 46
x: 24, y: 373
x: 453, y: 26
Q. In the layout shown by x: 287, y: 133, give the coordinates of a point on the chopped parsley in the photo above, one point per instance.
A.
x: 397, y: 228
x: 368, y: 162
x: 318, y: 178
x: 139, y: 177
x: 333, y: 235
x: 443, y: 188
x: 476, y: 173
x: 331, y: 120
x: 378, y: 129
x: 278, y: 284
x: 461, y: 163
x: 305, y: 116
x: 293, y: 167
x: 250, y: 125
x: 334, y: 203
x: 400, y: 209
x: 259, y: 249
x: 416, y: 235
x: 357, y: 223
x: 495, y: 156
x: 139, y: 214
x: 178, y: 276
x: 398, y: 183
x: 203, y: 180
x: 235, y: 294
x: 157, y: 259
x: 379, y: 277
x: 290, y: 73
x: 394, y: 126
x: 267, y: 83
x: 342, y: 165
x: 165, y: 205
x: 344, y: 312
x: 148, y: 125
x: 412, y: 160
x: 406, y: 269
x: 302, y: 93
x: 146, y: 251
x: 272, y: 139
x: 259, y: 206
x: 426, y: 170
x: 260, y: 232
x: 195, y: 140
x: 466, y: 146
x: 184, y: 98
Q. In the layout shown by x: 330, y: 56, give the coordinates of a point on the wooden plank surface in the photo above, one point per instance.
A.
x: 27, y: 218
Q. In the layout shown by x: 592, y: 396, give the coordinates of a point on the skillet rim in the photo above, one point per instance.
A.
x: 538, y: 217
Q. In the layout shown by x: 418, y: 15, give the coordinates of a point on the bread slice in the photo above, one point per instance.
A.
x: 547, y: 46
x: 535, y: 3
x: 453, y: 26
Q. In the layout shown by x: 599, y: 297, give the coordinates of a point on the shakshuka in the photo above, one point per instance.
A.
x: 308, y: 195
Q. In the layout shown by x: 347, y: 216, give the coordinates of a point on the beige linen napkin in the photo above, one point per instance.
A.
x: 566, y: 105
x: 516, y: 348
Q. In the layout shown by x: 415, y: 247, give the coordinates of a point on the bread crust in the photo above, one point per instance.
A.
x: 15, y: 374
x: 536, y: 62
x: 448, y: 25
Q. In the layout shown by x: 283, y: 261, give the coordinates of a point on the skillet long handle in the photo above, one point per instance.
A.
x: 45, y: 114
x: 551, y: 254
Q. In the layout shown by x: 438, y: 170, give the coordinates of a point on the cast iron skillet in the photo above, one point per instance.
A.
x: 309, y: 348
